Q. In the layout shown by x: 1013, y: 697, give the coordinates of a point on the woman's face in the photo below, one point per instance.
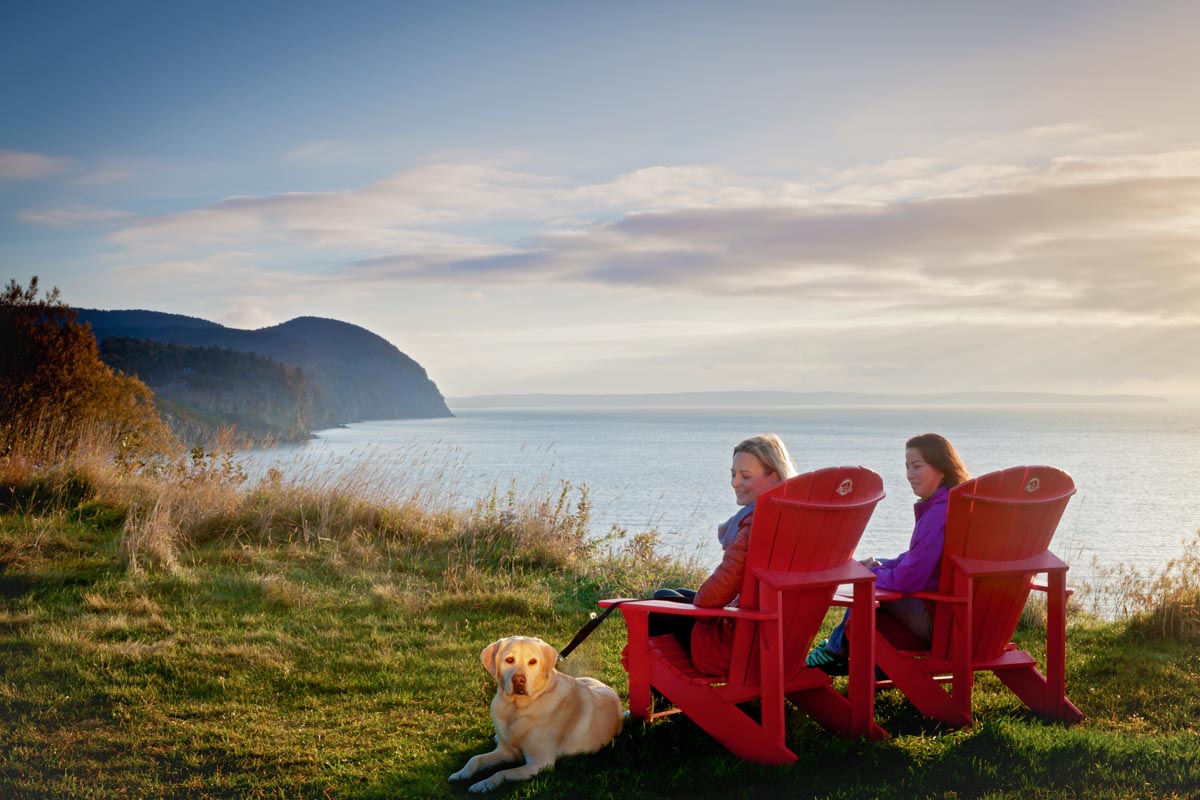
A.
x: 923, y: 478
x: 749, y: 477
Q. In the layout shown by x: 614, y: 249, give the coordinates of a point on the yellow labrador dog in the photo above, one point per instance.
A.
x: 539, y: 712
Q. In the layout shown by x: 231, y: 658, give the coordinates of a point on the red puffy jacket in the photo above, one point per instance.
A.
x: 712, y: 639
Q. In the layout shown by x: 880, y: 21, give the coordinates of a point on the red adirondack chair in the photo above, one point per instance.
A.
x: 998, y: 530
x: 801, y: 542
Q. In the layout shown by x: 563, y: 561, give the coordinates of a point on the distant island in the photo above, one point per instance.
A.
x: 767, y: 399
x: 282, y: 381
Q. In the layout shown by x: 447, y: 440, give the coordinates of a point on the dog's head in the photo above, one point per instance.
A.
x: 521, y: 665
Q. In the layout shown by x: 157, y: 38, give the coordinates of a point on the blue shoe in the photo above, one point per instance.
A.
x: 827, y: 661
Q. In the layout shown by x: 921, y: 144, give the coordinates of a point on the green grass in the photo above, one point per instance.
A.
x: 269, y: 660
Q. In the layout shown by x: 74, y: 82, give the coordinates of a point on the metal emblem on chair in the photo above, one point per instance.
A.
x: 1033, y: 485
x: 846, y: 487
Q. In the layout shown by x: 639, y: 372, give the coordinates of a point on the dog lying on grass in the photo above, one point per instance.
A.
x: 540, y: 713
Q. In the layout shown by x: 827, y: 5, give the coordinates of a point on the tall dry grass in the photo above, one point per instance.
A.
x: 383, y: 503
x: 1165, y: 602
x: 371, y: 508
x: 164, y: 496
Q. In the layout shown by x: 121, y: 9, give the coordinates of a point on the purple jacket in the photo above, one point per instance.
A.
x: 916, y: 569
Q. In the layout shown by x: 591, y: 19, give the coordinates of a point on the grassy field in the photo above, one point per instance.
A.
x: 192, y: 636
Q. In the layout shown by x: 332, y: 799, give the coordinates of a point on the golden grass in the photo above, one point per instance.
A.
x: 376, y: 509
x: 355, y: 516
x: 1165, y: 602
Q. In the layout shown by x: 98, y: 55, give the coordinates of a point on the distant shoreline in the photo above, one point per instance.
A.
x: 773, y: 399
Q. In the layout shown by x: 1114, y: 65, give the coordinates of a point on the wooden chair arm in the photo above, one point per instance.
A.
x: 887, y: 595
x: 975, y: 568
x: 850, y: 572
x: 1042, y: 586
x: 937, y: 597
x: 1042, y: 562
x: 689, y: 610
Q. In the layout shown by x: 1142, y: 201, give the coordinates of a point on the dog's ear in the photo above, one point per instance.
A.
x: 488, y: 656
x: 549, y: 656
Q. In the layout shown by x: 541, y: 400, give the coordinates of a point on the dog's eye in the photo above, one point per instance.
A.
x: 532, y: 662
x: 509, y: 660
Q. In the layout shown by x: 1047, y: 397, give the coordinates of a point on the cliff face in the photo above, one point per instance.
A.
x: 359, y: 374
x: 346, y: 373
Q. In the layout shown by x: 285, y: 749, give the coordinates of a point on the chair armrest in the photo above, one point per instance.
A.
x: 937, y: 597
x: 841, y: 598
x: 850, y: 572
x: 1042, y: 562
x: 888, y: 595
x: 1042, y: 586
x: 689, y: 610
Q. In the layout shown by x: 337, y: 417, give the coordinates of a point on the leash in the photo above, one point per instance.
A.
x: 590, y: 626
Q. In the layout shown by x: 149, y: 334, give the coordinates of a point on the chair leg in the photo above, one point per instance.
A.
x: 962, y: 677
x: 739, y: 733
x: 1035, y: 691
x: 639, y: 663
x: 770, y: 659
x: 1057, y: 704
x: 925, y: 693
x: 833, y: 712
x: 861, y: 689
x: 1047, y: 694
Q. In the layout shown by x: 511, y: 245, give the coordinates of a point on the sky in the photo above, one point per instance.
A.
x: 627, y: 197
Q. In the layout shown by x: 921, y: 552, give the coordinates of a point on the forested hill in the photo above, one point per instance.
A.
x: 349, y: 373
x: 199, y: 390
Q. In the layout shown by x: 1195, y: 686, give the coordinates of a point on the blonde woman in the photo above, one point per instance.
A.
x: 759, y: 463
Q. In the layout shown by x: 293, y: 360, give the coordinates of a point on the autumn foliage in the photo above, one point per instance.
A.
x: 54, y: 389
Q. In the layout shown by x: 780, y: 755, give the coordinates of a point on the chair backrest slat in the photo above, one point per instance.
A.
x: 1002, y: 516
x: 809, y: 523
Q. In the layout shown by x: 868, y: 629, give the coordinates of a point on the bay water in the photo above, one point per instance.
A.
x: 667, y: 470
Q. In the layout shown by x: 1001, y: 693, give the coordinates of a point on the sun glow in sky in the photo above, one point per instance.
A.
x: 630, y: 197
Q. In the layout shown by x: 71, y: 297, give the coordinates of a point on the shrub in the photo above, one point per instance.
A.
x: 55, y: 390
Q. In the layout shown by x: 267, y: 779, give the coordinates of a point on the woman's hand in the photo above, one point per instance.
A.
x: 869, y: 562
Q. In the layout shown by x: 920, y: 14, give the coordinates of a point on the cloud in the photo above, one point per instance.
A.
x: 102, y: 177
x: 417, y: 209
x: 322, y: 151
x: 976, y: 356
x: 1085, y: 237
x: 942, y: 237
x: 438, y: 197
x: 897, y: 355
x: 15, y: 166
x: 74, y: 216
x: 247, y: 316
x: 1125, y: 249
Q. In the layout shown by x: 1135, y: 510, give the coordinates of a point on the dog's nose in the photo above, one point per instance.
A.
x: 519, y: 683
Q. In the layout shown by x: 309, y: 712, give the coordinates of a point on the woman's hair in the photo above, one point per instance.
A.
x: 770, y: 450
x: 941, y: 455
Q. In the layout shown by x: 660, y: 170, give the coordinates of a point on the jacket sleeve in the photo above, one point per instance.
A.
x: 725, y: 584
x: 916, y: 569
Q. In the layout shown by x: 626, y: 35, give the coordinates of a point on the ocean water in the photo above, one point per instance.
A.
x: 667, y: 470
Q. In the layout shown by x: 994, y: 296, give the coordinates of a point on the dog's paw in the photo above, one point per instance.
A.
x: 486, y: 785
x: 461, y: 775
